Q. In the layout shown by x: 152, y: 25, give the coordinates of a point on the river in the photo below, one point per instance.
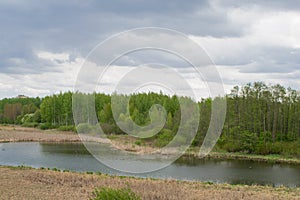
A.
x: 75, y: 157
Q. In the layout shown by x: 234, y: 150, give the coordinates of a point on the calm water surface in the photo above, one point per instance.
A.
x: 75, y: 157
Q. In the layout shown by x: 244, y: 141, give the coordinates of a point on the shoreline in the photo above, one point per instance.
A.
x: 54, y: 184
x: 24, y: 134
x: 276, y: 159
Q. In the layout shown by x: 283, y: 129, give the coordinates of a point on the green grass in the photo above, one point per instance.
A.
x: 106, y: 193
x: 67, y: 128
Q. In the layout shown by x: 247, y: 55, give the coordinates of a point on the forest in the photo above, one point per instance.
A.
x: 260, y: 119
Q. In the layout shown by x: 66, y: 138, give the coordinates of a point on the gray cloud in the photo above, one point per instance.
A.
x: 75, y: 27
x: 267, y: 4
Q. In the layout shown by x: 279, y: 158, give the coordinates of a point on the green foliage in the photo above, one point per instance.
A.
x: 282, y: 148
x: 164, y: 137
x: 110, y: 128
x: 27, y: 118
x: 67, y: 128
x: 106, y: 193
x: 30, y: 124
x: 45, y: 126
x: 11, y: 108
x: 248, y: 141
x: 84, y: 128
x: 138, y: 142
x: 260, y: 118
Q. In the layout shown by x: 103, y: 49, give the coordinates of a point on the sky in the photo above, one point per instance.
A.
x: 45, y: 43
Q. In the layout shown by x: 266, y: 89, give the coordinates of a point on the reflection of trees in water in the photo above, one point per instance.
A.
x: 190, y: 160
x: 64, y: 148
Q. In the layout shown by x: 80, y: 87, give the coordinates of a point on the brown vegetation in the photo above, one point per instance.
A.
x: 24, y: 134
x: 16, y: 183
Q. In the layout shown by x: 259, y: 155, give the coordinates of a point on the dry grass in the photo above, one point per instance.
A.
x: 27, y: 183
x: 24, y: 134
x: 20, y: 134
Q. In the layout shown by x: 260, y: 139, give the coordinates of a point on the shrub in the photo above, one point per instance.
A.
x: 67, y: 128
x: 108, y: 128
x: 106, y: 193
x: 164, y: 137
x: 232, y: 146
x: 45, y: 126
x: 30, y: 124
x: 138, y: 142
x: 84, y: 128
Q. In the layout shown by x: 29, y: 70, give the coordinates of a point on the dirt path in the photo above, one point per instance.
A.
x: 16, y: 183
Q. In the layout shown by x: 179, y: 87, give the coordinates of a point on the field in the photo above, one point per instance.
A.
x: 27, y: 183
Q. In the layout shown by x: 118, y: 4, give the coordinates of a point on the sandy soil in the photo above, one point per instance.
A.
x: 16, y: 183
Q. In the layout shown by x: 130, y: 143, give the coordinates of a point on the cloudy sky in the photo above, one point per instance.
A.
x: 44, y: 43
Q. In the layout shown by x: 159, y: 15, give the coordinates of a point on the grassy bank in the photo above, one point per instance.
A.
x: 134, y: 145
x: 221, y: 155
x: 28, y: 183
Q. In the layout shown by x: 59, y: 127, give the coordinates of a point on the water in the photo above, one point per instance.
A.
x: 75, y: 157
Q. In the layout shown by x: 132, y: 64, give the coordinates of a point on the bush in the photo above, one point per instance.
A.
x: 66, y: 128
x: 27, y: 118
x: 45, y: 126
x: 244, y: 142
x: 108, y: 128
x: 106, y: 193
x: 30, y: 124
x: 138, y: 142
x: 164, y: 137
x: 231, y: 146
x: 84, y: 128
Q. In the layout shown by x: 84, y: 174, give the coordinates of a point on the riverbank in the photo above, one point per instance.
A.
x: 24, y: 134
x: 28, y: 183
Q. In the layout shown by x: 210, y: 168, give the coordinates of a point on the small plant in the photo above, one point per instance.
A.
x: 89, y: 172
x: 138, y: 142
x: 208, y: 183
x: 106, y: 193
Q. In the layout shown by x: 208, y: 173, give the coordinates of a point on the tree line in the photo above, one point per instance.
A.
x: 260, y: 118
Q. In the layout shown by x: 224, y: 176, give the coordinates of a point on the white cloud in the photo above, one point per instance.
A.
x: 60, y: 78
x: 54, y: 57
x: 264, y: 30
